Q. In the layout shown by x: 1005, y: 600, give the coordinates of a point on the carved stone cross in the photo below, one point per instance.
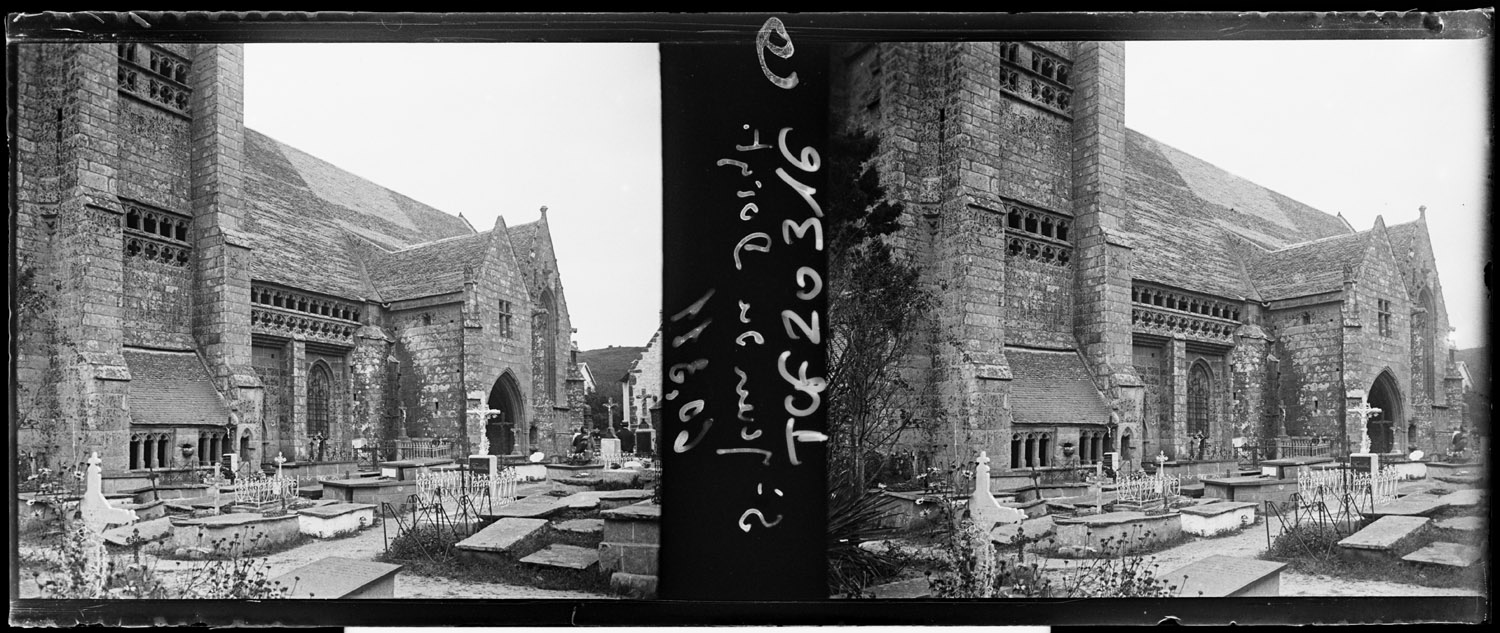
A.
x: 279, y: 461
x: 1365, y: 412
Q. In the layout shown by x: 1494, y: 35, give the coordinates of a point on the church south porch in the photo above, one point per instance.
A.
x: 1060, y: 428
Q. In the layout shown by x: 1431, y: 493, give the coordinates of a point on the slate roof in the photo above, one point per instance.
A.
x: 172, y: 389
x: 1309, y: 268
x: 1053, y: 387
x: 523, y: 239
x: 1182, y: 213
x: 426, y: 269
x: 300, y: 208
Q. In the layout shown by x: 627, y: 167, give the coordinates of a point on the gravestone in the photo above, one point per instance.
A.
x: 1410, y: 506
x: 1217, y: 518
x: 535, y: 507
x: 341, y: 578
x: 500, y: 536
x: 1467, y: 498
x: 1461, y: 524
x: 1376, y: 540
x: 909, y: 588
x: 1227, y: 577
x: 142, y: 532
x: 1445, y: 555
x: 581, y: 526
x: 564, y: 556
x: 93, y: 508
x: 984, y: 511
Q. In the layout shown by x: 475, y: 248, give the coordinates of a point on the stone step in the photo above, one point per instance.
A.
x: 501, y: 536
x: 562, y: 556
x: 1445, y: 555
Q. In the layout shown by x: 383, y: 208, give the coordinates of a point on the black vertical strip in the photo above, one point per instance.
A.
x: 743, y: 492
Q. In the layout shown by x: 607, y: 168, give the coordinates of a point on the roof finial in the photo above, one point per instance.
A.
x: 544, y: 210
x: 1422, y: 210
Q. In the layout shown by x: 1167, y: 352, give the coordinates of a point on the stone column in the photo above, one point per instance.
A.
x: 1179, y: 369
x: 296, y: 443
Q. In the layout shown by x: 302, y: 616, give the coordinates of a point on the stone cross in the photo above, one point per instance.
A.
x: 95, y: 510
x: 984, y: 511
x: 279, y: 461
x: 1365, y: 412
x: 1097, y: 482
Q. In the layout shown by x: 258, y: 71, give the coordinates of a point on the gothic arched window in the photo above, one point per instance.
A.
x: 1199, y: 392
x: 318, y: 387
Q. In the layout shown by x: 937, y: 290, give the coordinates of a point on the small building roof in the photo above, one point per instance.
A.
x: 172, y: 389
x: 1307, y: 269
x: 1053, y: 387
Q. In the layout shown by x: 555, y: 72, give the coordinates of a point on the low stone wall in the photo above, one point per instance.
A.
x: 251, y: 533
x: 316, y: 470
x: 630, y: 548
x: 1135, y: 529
x: 1217, y: 518
x: 336, y: 519
x: 371, y: 491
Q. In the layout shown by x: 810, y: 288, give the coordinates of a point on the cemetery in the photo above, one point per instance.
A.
x: 454, y: 524
x: 1300, y: 526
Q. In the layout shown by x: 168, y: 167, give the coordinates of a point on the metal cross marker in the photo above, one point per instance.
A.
x: 279, y: 461
x: 1365, y: 412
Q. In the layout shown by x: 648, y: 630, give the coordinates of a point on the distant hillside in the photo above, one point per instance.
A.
x: 609, y: 364
x: 1478, y: 360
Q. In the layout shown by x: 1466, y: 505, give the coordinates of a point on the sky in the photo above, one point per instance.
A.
x: 1362, y: 128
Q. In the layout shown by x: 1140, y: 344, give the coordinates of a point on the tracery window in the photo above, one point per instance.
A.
x: 1383, y: 309
x: 1200, y: 388
x: 318, y: 387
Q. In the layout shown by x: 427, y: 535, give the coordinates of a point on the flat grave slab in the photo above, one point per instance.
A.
x: 1461, y: 524
x: 585, y: 500
x: 1217, y: 518
x: 1217, y: 507
x: 635, y: 512
x: 565, y: 556
x: 330, y: 520
x: 581, y: 526
x: 144, y: 531
x: 1383, y: 533
x: 1445, y: 554
x: 335, y: 577
x: 501, y: 535
x: 537, y: 507
x: 1410, y: 506
x: 1466, y: 498
x: 1039, y: 526
x: 1227, y: 576
x: 612, y: 499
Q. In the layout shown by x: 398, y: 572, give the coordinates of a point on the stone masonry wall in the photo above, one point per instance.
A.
x: 1308, y: 344
x: 154, y: 155
x: 428, y: 344
x: 491, y: 352
x: 1368, y: 350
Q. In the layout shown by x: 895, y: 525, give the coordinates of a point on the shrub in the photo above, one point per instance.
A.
x: 981, y: 570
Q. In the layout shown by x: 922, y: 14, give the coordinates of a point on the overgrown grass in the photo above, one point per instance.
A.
x: 1109, y: 547
x: 429, y: 551
x: 1312, y: 548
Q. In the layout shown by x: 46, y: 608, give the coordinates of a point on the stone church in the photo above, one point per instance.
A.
x: 1100, y: 291
x: 189, y: 287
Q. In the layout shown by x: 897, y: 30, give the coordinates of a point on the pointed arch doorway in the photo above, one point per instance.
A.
x: 1386, y: 396
x: 500, y: 428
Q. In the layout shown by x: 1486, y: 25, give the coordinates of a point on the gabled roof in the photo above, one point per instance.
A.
x: 1307, y: 269
x: 1182, y: 212
x: 426, y: 269
x: 523, y: 240
x: 299, y: 209
x: 172, y: 389
x: 1053, y: 387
